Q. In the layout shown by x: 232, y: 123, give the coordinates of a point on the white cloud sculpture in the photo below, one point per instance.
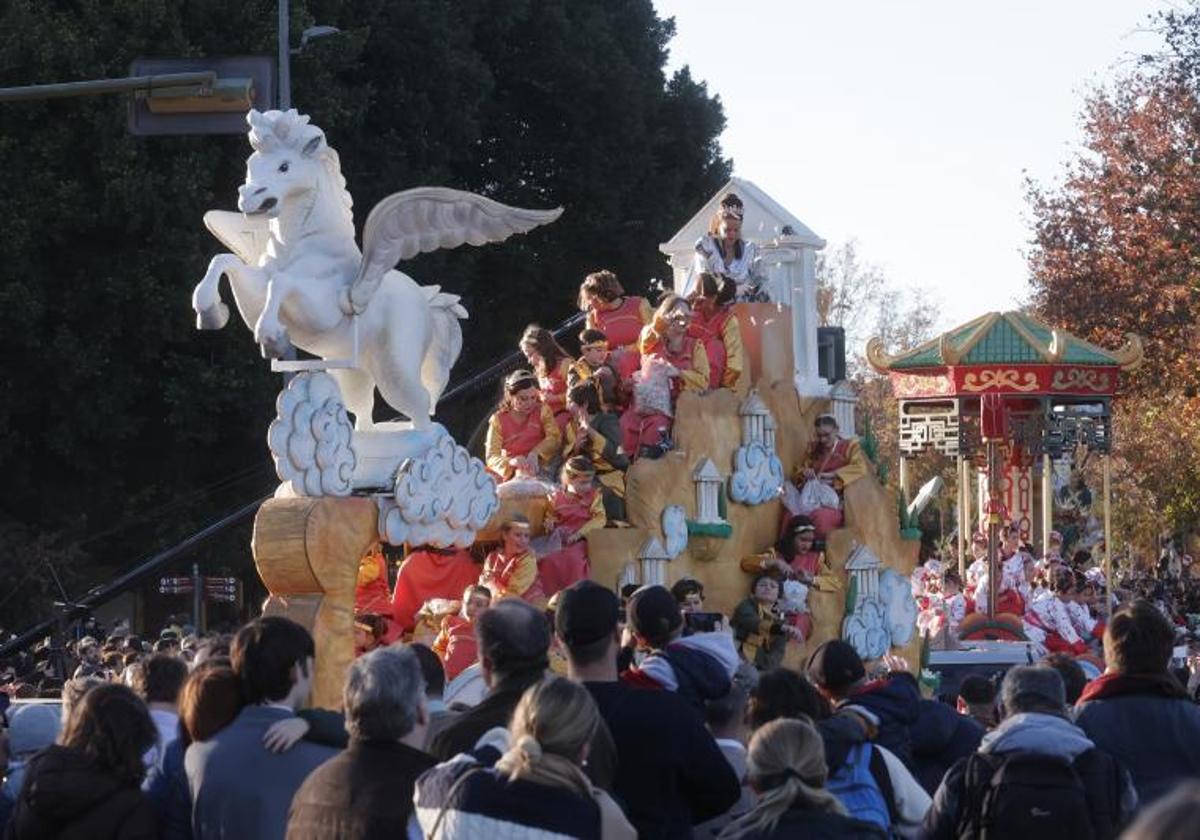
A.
x: 866, y: 629
x: 900, y: 610
x: 443, y: 497
x: 757, y: 475
x: 310, y: 437
x: 674, y: 526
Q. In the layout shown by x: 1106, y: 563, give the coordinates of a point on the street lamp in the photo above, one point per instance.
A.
x: 285, y: 51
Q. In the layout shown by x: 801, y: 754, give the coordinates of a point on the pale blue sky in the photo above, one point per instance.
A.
x: 908, y: 125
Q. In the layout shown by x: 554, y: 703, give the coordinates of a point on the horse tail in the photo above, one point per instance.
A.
x: 445, y: 343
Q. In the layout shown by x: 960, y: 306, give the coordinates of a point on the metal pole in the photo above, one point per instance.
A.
x: 993, y: 482
x: 1108, y: 571
x: 1047, y: 504
x: 197, y: 596
x: 969, y: 497
x: 285, y: 59
x: 132, y: 577
x: 62, y: 90
x: 904, y: 479
x: 964, y: 517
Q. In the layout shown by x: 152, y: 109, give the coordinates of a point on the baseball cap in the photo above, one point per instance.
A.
x: 587, y: 612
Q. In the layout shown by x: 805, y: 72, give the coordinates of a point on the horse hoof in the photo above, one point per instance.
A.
x: 276, y: 347
x: 212, y: 318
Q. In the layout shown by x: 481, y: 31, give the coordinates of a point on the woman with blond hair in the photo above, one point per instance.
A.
x: 786, y: 767
x: 525, y: 781
x: 666, y: 337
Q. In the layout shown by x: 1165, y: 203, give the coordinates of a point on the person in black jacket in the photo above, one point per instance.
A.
x: 786, y: 766
x: 940, y: 737
x: 837, y: 670
x: 671, y: 773
x: 1137, y: 710
x: 88, y: 786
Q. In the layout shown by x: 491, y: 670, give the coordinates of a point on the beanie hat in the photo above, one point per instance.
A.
x: 32, y: 727
x: 836, y: 666
x: 654, y: 614
x: 1027, y: 687
x: 587, y: 612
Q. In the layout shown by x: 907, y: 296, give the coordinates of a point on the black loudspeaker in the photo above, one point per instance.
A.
x: 831, y: 354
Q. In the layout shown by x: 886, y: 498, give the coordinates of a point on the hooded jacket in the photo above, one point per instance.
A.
x: 699, y: 667
x: 895, y: 702
x: 940, y: 737
x: 1028, y: 733
x: 68, y: 797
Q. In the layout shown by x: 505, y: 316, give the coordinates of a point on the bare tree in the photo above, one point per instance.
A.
x: 857, y: 296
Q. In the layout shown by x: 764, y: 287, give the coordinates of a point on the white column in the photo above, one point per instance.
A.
x: 844, y: 399
x: 804, y: 328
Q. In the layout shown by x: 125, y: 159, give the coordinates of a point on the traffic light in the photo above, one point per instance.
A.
x: 242, y: 83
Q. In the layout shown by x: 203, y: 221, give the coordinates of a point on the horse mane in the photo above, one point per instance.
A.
x: 273, y: 131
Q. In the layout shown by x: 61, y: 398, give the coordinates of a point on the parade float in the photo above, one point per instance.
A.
x: 1013, y: 401
x: 300, y: 280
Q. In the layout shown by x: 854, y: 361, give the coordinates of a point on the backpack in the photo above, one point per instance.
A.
x: 861, y: 783
x: 1033, y: 796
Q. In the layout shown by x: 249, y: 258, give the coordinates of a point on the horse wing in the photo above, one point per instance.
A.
x: 246, y: 236
x: 428, y: 218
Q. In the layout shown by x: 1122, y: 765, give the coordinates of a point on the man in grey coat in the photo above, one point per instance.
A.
x: 239, y: 788
x: 1036, y: 770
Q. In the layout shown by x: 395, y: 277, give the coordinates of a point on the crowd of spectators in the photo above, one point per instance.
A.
x: 645, y: 733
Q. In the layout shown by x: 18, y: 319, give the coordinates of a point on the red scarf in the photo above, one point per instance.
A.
x: 1120, y: 685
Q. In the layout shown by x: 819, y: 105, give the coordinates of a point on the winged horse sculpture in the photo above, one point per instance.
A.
x: 298, y: 277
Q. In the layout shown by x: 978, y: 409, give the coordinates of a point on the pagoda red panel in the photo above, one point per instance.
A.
x: 1024, y: 380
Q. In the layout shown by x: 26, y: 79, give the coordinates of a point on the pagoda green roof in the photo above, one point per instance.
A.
x: 1004, y: 338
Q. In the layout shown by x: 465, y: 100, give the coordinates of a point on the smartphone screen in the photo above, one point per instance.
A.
x: 702, y: 622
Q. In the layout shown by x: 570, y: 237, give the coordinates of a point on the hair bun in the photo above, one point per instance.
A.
x: 530, y: 746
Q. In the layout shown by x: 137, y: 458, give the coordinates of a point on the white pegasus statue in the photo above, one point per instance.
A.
x: 298, y: 277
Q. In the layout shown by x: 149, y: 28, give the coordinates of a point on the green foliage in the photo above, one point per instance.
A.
x: 122, y: 425
x: 870, y: 443
x: 910, y: 526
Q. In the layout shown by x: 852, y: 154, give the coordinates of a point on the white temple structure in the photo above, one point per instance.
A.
x: 787, y: 249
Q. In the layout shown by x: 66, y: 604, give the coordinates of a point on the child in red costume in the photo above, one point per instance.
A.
x: 619, y: 316
x: 714, y: 323
x: 593, y: 366
x: 552, y: 365
x: 576, y: 509
x: 455, y: 643
x: 522, y: 435
x: 512, y: 570
x: 372, y: 594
